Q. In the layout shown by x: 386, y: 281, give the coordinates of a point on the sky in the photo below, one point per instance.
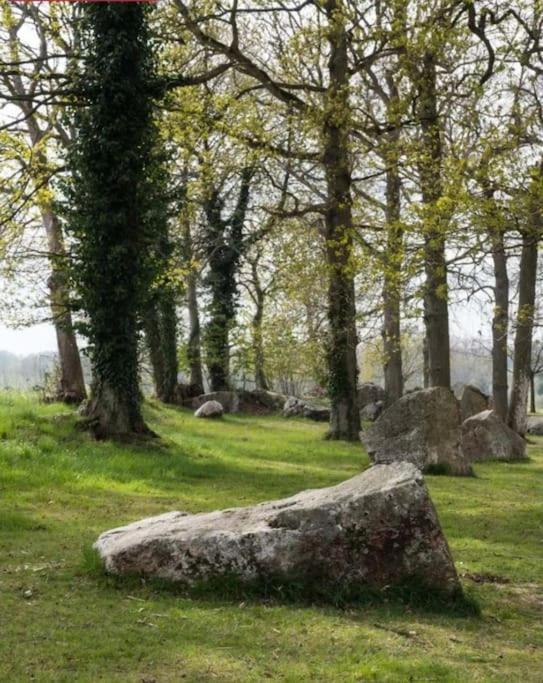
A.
x: 36, y: 339
x: 465, y: 322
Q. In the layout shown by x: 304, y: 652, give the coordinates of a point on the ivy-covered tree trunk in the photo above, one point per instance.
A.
x: 111, y: 160
x: 217, y: 345
x: 225, y: 245
x: 342, y: 365
x: 436, y: 291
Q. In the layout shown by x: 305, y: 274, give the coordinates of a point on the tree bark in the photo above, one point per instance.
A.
x: 169, y: 347
x: 436, y: 309
x: 258, y: 346
x: 392, y: 350
x: 194, y: 345
x: 225, y: 246
x: 500, y: 325
x: 151, y: 326
x: 425, y: 364
x: 532, y: 393
x: 160, y: 325
x: 194, y: 348
x: 71, y: 387
x: 522, y: 355
x: 342, y: 366
x: 111, y: 413
x: 218, y: 351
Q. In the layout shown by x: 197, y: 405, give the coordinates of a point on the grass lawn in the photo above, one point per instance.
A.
x: 59, y: 621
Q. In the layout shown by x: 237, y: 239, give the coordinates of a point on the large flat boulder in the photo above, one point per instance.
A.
x: 375, y: 530
x: 422, y: 428
x: 472, y: 402
x: 486, y: 437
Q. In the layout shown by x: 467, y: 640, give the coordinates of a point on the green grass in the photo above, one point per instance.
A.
x: 61, y: 620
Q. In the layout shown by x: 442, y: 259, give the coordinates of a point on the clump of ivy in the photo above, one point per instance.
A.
x: 225, y: 244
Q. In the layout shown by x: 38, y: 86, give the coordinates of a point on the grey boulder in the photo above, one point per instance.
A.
x: 293, y: 407
x: 375, y: 530
x: 472, y: 402
x: 371, y: 411
x: 316, y: 413
x: 261, y: 401
x: 210, y: 409
x: 229, y: 400
x: 535, y: 425
x: 422, y: 428
x: 486, y: 437
x: 368, y: 392
x: 297, y: 407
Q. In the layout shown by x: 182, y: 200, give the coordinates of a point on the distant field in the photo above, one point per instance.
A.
x: 61, y: 622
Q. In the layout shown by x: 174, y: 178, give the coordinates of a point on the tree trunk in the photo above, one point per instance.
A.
x: 161, y: 334
x: 522, y: 355
x: 151, y: 326
x: 194, y: 353
x: 194, y: 349
x: 72, y: 384
x: 71, y: 387
x: 342, y: 366
x: 225, y: 246
x: 115, y: 198
x: 425, y: 365
x: 436, y: 308
x: 218, y: 349
x: 113, y: 413
x: 258, y: 346
x: 532, y: 393
x: 500, y: 325
x: 168, y: 330
x: 391, y: 333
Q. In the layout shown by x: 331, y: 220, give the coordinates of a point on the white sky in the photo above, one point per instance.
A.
x: 465, y: 322
x: 34, y: 339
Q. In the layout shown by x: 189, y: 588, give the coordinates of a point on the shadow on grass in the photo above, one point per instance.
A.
x: 414, y: 594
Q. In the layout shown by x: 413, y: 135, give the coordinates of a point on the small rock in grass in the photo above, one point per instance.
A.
x: 210, y: 409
